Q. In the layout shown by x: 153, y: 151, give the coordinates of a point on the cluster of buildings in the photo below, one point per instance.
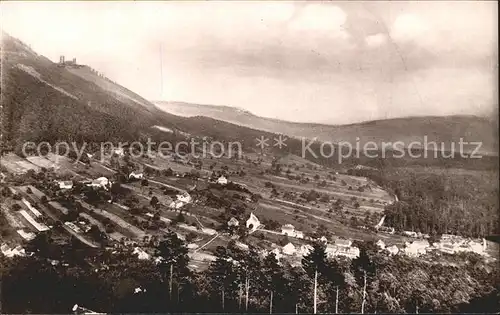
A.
x: 182, y: 199
x: 290, y: 230
x: 449, y: 244
x: 10, y: 252
x: 101, y: 182
x: 340, y: 248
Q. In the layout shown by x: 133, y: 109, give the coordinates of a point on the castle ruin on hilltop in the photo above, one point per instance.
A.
x: 68, y: 63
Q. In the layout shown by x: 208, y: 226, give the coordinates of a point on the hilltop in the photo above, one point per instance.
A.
x: 44, y: 101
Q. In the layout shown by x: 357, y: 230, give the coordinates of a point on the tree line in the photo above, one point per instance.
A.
x: 58, y: 276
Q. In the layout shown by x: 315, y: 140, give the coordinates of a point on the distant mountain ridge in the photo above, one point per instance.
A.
x: 446, y: 129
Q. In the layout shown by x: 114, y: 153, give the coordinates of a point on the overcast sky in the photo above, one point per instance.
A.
x: 333, y: 62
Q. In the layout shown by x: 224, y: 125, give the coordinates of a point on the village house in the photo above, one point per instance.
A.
x: 289, y: 230
x: 120, y: 152
x: 9, y: 252
x: 185, y: 198
x: 346, y: 251
x: 65, y: 184
x: 176, y: 204
x: 416, y: 248
x: 101, y: 182
x: 342, y: 247
x: 410, y: 234
x: 289, y: 249
x: 453, y: 244
x: 222, y: 180
x: 141, y: 254
x: 136, y: 175
x: 393, y: 250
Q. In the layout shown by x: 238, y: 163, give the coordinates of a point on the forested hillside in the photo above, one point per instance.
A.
x: 440, y: 200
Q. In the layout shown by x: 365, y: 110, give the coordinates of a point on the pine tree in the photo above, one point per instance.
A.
x: 315, y: 264
x: 364, y: 269
x: 273, y: 278
x: 174, y: 260
x: 249, y: 267
x: 222, y: 274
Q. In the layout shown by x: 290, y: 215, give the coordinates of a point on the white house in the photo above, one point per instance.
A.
x: 346, y: 251
x: 393, y: 250
x: 119, y: 152
x: 141, y: 254
x: 9, y: 252
x: 416, y: 248
x: 289, y: 230
x: 299, y: 234
x: 222, y: 180
x: 65, y: 184
x: 410, y: 234
x: 323, y: 239
x: 100, y: 182
x: 186, y: 198
x: 252, y: 223
x: 139, y: 290
x: 289, y: 249
x: 136, y: 175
